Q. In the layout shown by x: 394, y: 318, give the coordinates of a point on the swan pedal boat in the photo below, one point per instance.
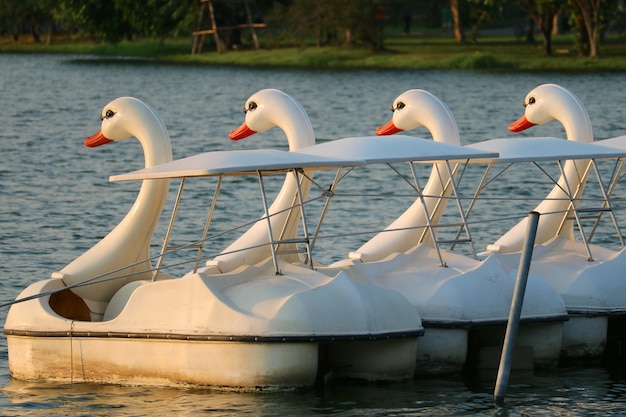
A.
x: 463, y: 300
x: 272, y: 325
x: 589, y: 277
x: 441, y: 349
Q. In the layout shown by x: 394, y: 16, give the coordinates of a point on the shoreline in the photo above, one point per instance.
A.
x: 492, y: 52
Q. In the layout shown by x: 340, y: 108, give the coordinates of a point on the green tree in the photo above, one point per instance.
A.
x: 542, y: 13
x: 27, y: 16
x: 156, y: 18
x: 113, y: 21
x: 303, y: 20
x: 102, y: 20
x: 591, y: 18
x: 481, y: 12
x: 330, y: 21
x: 457, y: 25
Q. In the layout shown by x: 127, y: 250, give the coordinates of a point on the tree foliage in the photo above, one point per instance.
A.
x: 330, y: 21
x: 542, y: 13
x: 27, y: 16
x: 325, y: 22
x: 155, y: 18
x: 100, y: 19
x: 113, y: 21
x: 591, y: 18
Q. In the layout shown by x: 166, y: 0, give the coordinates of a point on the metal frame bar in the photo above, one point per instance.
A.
x: 168, y: 234
x: 208, y: 223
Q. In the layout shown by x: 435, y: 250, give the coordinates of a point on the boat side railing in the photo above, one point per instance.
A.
x: 448, y: 192
x: 278, y: 245
x: 576, y: 211
x: 607, y: 206
x: 309, y: 240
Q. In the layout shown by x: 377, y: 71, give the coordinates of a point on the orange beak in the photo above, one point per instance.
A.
x: 387, y: 129
x: 96, y: 140
x: 521, y: 124
x: 241, y: 132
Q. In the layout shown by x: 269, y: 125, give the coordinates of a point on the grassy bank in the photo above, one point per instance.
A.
x: 402, y: 52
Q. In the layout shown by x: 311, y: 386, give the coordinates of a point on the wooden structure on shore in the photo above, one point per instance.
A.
x: 221, y: 34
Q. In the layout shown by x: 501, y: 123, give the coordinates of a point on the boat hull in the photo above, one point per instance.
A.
x: 449, y: 350
x: 537, y: 345
x: 441, y: 351
x: 226, y: 365
x: 592, y: 290
x: 467, y: 296
x: 249, y: 330
x: 241, y: 366
x: 584, y: 338
x: 385, y: 360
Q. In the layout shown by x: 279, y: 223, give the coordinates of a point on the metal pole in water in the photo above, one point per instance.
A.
x: 506, y: 358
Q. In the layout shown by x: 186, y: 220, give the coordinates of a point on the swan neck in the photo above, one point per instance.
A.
x: 444, y: 129
x: 575, y: 120
x: 155, y: 142
x: 297, y: 126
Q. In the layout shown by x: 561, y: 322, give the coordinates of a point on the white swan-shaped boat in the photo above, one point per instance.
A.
x: 465, y: 304
x: 265, y: 326
x: 266, y: 109
x: 588, y: 277
x: 545, y: 103
x: 412, y: 109
x: 129, y: 242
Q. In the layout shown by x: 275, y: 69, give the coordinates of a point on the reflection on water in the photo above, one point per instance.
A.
x: 566, y: 392
x: 57, y: 202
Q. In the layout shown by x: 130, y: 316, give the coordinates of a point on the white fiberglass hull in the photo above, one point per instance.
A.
x: 593, y: 290
x: 246, y: 330
x: 128, y: 361
x: 462, y: 297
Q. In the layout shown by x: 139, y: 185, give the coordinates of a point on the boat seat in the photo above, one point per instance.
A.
x: 120, y: 299
x: 69, y: 305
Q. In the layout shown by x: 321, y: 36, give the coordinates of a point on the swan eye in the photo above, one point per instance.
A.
x: 399, y: 106
x: 109, y: 113
x: 251, y: 107
x: 530, y: 101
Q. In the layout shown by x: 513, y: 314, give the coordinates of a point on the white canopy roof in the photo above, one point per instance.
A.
x: 618, y: 142
x: 338, y: 153
x: 237, y: 162
x: 544, y: 149
x: 395, y: 148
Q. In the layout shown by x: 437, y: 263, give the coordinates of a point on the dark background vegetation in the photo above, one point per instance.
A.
x: 346, y: 23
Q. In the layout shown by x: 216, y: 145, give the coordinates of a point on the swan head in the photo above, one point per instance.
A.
x: 120, y: 119
x: 415, y: 108
x: 552, y: 102
x: 269, y: 108
x: 126, y: 117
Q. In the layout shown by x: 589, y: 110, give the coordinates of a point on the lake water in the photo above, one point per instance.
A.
x: 56, y: 202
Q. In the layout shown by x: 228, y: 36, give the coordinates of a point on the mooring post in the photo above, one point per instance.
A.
x: 506, y: 358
